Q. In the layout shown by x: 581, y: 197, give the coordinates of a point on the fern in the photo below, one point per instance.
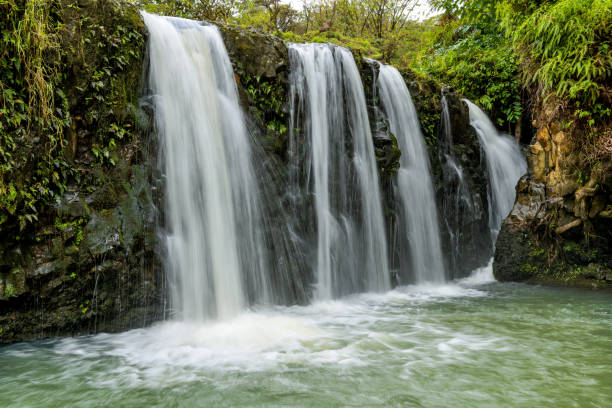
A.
x: 569, y: 41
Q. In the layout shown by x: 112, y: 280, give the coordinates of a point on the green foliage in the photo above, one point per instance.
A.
x: 428, y: 124
x: 267, y: 97
x: 33, y: 111
x: 268, y: 15
x: 479, y: 63
x: 211, y: 10
x: 84, y: 307
x: 72, y: 230
x: 536, y: 251
x: 385, y: 24
x: 528, y: 270
x: 469, y: 11
x: 9, y: 290
x: 111, y: 88
x: 37, y: 128
x: 264, y: 95
x: 361, y: 46
x: 564, y: 46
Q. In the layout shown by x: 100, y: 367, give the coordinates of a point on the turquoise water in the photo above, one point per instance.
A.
x: 457, y: 345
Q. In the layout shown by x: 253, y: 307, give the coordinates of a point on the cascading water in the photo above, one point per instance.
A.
x: 219, y: 240
x: 461, y: 211
x: 336, y: 165
x: 373, y: 240
x: 213, y: 211
x: 505, y: 165
x: 419, y: 235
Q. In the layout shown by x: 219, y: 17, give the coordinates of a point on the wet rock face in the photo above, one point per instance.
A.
x: 90, y: 264
x: 386, y: 148
x: 88, y: 268
x: 570, y: 261
x: 255, y: 53
x: 468, y: 226
x: 261, y: 68
x: 562, y: 210
x: 462, y: 194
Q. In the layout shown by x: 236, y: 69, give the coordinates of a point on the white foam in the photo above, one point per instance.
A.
x: 344, y: 334
x: 480, y: 276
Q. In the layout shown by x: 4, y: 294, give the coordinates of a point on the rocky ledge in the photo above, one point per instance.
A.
x: 560, y: 229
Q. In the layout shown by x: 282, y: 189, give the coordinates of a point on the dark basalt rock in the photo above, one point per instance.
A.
x: 90, y: 264
x: 559, y: 231
x: 255, y: 53
x: 544, y: 241
x: 475, y: 245
x: 464, y: 214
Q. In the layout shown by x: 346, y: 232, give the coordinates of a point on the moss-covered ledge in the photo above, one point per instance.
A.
x: 88, y: 261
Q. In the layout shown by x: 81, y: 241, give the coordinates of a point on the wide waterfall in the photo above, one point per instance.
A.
x: 333, y: 163
x: 213, y: 209
x: 419, y: 234
x: 505, y: 165
x: 223, y: 253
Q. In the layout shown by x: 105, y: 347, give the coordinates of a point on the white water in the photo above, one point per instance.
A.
x: 364, y: 160
x: 505, y: 165
x: 216, y: 260
x: 490, y: 345
x: 428, y: 345
x: 351, y: 250
x: 343, y: 333
x: 419, y: 220
x: 212, y: 200
x: 480, y: 276
x: 318, y: 86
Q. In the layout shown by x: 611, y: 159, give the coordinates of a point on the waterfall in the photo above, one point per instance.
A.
x: 213, y: 211
x: 461, y: 211
x: 229, y: 243
x: 334, y: 165
x: 373, y: 233
x: 505, y: 166
x: 419, y: 233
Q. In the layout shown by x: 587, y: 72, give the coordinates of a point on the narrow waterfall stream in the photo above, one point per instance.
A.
x: 505, y: 165
x: 463, y: 200
x: 418, y: 227
x: 213, y: 208
x: 457, y: 203
x: 334, y: 158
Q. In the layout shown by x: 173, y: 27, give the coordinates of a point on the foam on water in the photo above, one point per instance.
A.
x: 362, y: 350
x: 347, y: 332
x: 480, y: 276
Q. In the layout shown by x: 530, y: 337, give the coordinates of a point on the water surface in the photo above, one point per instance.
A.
x: 459, y: 344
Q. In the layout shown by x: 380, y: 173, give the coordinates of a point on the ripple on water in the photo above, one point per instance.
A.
x: 484, y: 344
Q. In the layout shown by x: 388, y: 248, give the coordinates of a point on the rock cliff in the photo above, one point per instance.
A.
x: 559, y: 231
